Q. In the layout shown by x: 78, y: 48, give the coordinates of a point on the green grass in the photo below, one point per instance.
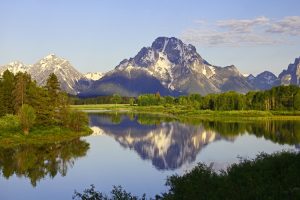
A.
x: 11, y: 133
x: 181, y: 112
x: 40, y: 135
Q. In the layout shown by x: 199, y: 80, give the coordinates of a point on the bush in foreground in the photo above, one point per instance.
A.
x: 76, y: 120
x: 27, y: 117
x: 275, y: 176
x: 117, y: 193
x: 9, y: 123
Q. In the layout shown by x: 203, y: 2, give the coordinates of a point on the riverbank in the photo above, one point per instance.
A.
x: 40, y: 135
x: 11, y: 133
x: 188, y: 112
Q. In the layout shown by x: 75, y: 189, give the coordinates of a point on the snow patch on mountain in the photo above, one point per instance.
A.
x: 162, y: 69
x: 67, y: 75
x: 94, y: 75
x: 15, y: 67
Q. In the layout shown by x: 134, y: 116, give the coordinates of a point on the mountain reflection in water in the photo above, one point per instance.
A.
x: 169, y: 144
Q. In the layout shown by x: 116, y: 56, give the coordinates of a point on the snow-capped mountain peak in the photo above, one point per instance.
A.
x: 179, y: 68
x: 94, y: 75
x: 15, y: 67
x: 67, y: 75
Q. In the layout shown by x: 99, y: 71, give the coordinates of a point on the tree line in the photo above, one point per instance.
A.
x: 112, y: 99
x: 277, y: 98
x: 34, y: 105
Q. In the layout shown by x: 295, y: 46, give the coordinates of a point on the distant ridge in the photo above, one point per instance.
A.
x: 168, y: 66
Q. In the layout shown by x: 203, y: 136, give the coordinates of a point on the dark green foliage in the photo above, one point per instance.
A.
x: 52, y: 86
x: 50, y: 105
x: 277, y: 98
x: 53, y: 91
x: 117, y: 193
x: 273, y: 176
x: 20, y: 91
x: 99, y: 100
x: 89, y: 194
x: 297, y: 101
x: 6, y: 88
x: 40, y: 101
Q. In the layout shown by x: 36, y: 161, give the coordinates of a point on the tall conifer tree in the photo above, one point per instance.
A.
x: 6, y: 88
x: 22, y: 81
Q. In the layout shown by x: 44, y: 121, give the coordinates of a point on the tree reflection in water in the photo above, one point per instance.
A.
x: 38, y: 161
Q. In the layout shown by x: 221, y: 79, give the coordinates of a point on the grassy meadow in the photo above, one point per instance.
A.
x: 180, y: 111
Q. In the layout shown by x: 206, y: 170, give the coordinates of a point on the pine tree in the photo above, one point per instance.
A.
x: 63, y: 109
x: 22, y: 81
x: 297, y: 101
x: 6, y: 88
x: 40, y: 101
x: 53, y: 89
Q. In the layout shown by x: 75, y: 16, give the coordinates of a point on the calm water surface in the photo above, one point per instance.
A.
x: 136, y: 151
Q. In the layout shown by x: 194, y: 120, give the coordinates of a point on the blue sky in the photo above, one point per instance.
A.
x: 95, y: 35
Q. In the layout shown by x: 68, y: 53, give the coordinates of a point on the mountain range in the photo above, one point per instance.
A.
x: 168, y: 66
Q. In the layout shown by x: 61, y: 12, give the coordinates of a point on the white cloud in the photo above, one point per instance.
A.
x: 242, y: 26
x: 245, y: 32
x: 288, y: 25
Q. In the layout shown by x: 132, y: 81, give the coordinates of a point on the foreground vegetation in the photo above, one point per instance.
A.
x: 41, y: 112
x: 274, y: 176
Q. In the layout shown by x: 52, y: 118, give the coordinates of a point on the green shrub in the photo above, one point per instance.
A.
x: 117, y: 193
x: 27, y: 117
x: 9, y: 123
x: 273, y: 176
x: 77, y: 120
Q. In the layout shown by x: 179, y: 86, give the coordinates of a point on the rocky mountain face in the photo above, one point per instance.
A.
x: 292, y: 74
x: 267, y: 80
x: 67, y: 75
x: 15, y: 67
x: 263, y: 81
x: 70, y: 79
x: 170, y: 67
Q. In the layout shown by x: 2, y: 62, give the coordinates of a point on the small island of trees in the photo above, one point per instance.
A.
x: 24, y: 105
